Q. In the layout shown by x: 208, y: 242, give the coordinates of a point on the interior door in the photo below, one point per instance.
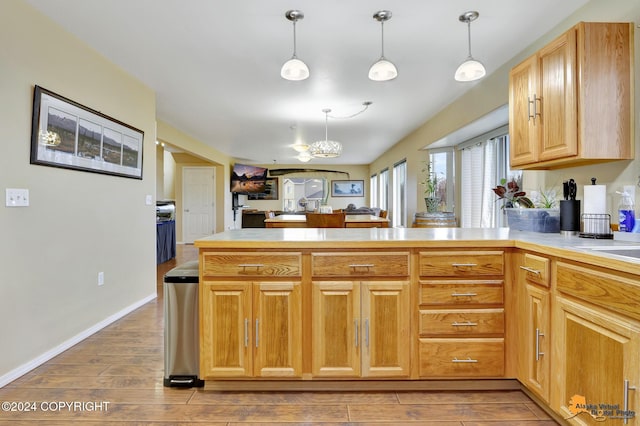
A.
x: 198, y: 202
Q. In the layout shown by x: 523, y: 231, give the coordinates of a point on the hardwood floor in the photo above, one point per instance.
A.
x: 116, y: 375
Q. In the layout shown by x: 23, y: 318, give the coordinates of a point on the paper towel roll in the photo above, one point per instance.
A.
x: 595, y: 199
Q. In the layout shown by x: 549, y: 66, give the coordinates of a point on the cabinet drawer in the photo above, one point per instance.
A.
x: 462, y: 321
x: 247, y: 264
x: 462, y: 357
x: 536, y: 269
x: 461, y: 263
x: 468, y: 292
x: 618, y: 292
x: 360, y: 264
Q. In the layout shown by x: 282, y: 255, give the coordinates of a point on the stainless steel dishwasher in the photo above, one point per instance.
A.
x: 181, y: 348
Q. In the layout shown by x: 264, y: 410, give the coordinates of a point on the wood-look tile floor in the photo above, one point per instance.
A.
x: 121, y: 367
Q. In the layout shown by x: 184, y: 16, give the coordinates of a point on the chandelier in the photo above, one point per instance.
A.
x: 325, y: 148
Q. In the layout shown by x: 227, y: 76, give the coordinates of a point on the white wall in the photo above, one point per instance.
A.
x: 78, y: 223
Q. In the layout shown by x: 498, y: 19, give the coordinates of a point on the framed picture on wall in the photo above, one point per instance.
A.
x: 270, y: 191
x: 69, y: 135
x: 347, y: 188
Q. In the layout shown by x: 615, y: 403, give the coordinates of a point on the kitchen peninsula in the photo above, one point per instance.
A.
x: 452, y: 308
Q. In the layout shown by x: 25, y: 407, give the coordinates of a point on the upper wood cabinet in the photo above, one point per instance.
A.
x: 572, y: 102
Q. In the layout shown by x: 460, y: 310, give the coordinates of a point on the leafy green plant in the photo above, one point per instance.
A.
x: 429, y: 180
x: 546, y: 199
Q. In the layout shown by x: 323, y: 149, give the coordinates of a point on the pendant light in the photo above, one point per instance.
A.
x: 326, y: 148
x: 294, y: 69
x: 470, y: 69
x: 304, y: 157
x: 383, y: 69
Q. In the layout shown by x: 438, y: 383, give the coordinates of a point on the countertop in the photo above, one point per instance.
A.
x: 572, y: 247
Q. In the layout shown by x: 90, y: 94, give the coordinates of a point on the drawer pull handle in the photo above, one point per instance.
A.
x: 468, y: 360
x: 251, y: 265
x: 464, y: 324
x: 362, y: 265
x: 464, y: 265
x: 463, y: 294
x: 531, y: 270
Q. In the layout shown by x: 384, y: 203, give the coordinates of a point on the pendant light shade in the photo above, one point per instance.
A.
x: 294, y: 69
x: 470, y: 69
x: 383, y: 69
x: 304, y: 157
x: 325, y: 148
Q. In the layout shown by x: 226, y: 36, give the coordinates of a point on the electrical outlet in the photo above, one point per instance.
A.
x: 17, y: 197
x: 100, y: 278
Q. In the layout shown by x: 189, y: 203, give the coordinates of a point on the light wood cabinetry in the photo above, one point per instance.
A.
x: 597, y: 363
x: 534, y: 323
x: 361, y: 328
x: 572, y: 101
x: 461, y: 313
x: 250, y: 328
x: 597, y: 342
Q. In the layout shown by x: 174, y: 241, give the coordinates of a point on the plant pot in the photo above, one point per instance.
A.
x: 432, y: 204
x: 536, y: 220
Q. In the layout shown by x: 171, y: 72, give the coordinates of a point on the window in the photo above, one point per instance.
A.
x: 399, y: 216
x: 484, y: 162
x: 442, y: 165
x: 373, y: 190
x: 384, y: 190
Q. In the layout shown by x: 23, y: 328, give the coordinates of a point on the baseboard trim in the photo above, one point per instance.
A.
x: 38, y: 361
x: 361, y: 385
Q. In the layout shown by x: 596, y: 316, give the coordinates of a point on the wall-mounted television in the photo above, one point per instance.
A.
x: 247, y: 179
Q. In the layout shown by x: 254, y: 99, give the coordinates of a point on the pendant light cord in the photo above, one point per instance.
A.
x: 468, y: 36
x: 382, y: 39
x: 294, y: 39
x: 366, y: 107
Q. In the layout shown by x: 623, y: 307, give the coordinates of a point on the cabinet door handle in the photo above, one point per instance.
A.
x: 366, y: 333
x: 257, y: 327
x: 356, y: 333
x: 463, y: 294
x: 467, y: 361
x: 538, y: 353
x: 246, y: 332
x: 535, y: 108
x: 464, y: 324
x: 531, y: 270
x: 625, y: 399
x: 529, y: 102
x: 464, y: 265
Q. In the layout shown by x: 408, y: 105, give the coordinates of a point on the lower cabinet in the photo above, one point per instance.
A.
x: 534, y: 323
x: 597, y: 365
x: 251, y: 329
x: 361, y: 329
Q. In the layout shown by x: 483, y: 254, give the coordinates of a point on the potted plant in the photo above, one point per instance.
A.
x: 430, y: 184
x: 511, y: 194
x: 525, y: 215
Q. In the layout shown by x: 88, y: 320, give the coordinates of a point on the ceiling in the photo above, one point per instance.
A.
x: 215, y: 65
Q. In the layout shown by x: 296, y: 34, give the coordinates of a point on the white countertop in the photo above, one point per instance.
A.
x: 552, y: 244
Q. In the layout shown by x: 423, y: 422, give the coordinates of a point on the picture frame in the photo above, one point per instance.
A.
x: 270, y: 191
x: 68, y: 135
x: 347, y: 188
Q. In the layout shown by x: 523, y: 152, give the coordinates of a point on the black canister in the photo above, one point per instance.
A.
x: 569, y: 216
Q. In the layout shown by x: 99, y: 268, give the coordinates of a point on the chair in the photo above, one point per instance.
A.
x: 269, y: 214
x: 383, y: 214
x: 325, y: 220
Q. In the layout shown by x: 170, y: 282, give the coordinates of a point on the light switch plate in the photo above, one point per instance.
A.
x: 17, y: 197
x: 148, y: 200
